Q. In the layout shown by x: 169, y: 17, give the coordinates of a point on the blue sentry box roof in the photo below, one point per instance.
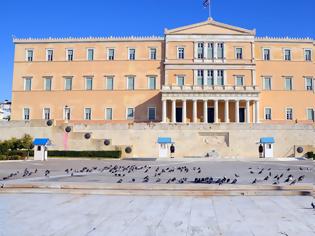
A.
x: 163, y: 140
x: 41, y: 141
x: 267, y: 140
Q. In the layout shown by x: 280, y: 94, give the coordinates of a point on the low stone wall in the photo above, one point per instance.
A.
x: 226, y: 140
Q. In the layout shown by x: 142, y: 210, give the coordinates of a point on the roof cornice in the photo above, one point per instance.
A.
x: 284, y: 39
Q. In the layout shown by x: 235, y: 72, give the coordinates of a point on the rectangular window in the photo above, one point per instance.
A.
x: 27, y: 84
x: 67, y: 113
x: 288, y: 84
x: 26, y: 114
x: 29, y: 54
x: 200, y: 51
x: 109, y: 114
x: 68, y: 84
x: 181, y: 53
x: 210, y: 51
x: 110, y: 83
x: 310, y: 114
x: 210, y: 77
x: 70, y: 54
x: 200, y: 78
x: 130, y: 113
x: 151, y: 113
x: 153, y: 54
x: 289, y: 114
x: 239, y: 81
x: 220, y: 50
x: 239, y: 53
x: 152, y: 82
x: 50, y: 55
x: 180, y: 80
x: 90, y: 54
x: 267, y: 83
x: 266, y: 54
x: 48, y: 83
x: 309, y: 84
x: 132, y: 54
x: 308, y: 55
x: 88, y: 83
x: 131, y: 83
x: 111, y: 54
x: 220, y: 78
x: 87, y: 113
x: 46, y: 114
x: 268, y: 114
x: 287, y: 54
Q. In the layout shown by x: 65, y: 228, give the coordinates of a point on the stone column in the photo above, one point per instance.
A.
x: 184, y: 111
x: 247, y: 112
x: 226, y: 112
x: 237, y: 111
x: 194, y: 111
x: 216, y: 111
x: 164, y: 111
x: 257, y: 112
x: 205, y: 111
x: 173, y: 111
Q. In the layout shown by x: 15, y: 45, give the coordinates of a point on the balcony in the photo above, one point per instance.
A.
x: 209, y: 88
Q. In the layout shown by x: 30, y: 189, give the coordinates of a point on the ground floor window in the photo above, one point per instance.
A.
x: 130, y: 113
x: 47, y: 113
x: 26, y: 113
x: 109, y: 113
x: 310, y: 114
x: 151, y: 113
x: 87, y: 113
x: 289, y: 114
x: 267, y: 113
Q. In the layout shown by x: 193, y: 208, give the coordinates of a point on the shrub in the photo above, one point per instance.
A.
x: 310, y: 155
x: 97, y: 154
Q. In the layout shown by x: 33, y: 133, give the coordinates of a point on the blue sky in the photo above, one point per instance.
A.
x: 59, y: 18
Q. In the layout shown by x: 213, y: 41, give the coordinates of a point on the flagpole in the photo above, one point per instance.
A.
x: 209, y: 8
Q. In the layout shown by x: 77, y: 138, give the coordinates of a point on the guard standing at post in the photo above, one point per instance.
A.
x: 172, y: 149
x: 261, y: 150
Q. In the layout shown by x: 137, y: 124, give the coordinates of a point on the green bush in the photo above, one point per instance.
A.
x: 12, y: 157
x: 310, y: 155
x: 97, y: 154
x: 22, y: 153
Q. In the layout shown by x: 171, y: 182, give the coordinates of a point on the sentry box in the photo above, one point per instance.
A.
x: 267, y: 143
x: 164, y: 147
x: 40, y: 149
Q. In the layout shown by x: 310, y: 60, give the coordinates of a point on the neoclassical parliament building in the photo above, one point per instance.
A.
x: 208, y: 72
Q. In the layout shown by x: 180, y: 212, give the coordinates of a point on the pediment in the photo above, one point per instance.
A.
x: 209, y: 27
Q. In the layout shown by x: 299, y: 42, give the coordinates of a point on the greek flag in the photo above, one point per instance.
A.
x: 206, y: 3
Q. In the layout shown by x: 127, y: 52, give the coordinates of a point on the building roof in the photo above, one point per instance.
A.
x: 41, y: 141
x: 267, y: 140
x: 164, y: 140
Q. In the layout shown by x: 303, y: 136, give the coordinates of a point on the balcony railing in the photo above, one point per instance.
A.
x: 209, y: 88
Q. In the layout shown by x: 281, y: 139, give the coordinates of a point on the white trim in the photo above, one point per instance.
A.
x: 283, y: 53
x: 23, y: 113
x: 310, y: 108
x: 235, y: 50
x: 266, y: 113
x: 65, y: 83
x: 26, y: 54
x: 285, y: 84
x: 305, y: 83
x: 201, y: 66
x: 86, y: 113
x: 106, y: 113
x: 113, y: 78
x: 44, y: 113
x: 64, y: 112
x: 134, y: 82
x: 86, y: 78
x: 107, y: 52
x: 235, y: 80
x: 182, y: 76
x: 148, y: 82
x: 216, y: 38
x: 67, y: 54
x: 148, y: 117
x: 87, y: 54
x: 285, y: 113
x: 264, y: 83
x: 45, y: 78
x: 133, y: 113
x: 27, y: 78
x: 156, y: 53
x: 263, y: 54
x: 48, y: 49
x: 177, y: 52
x: 132, y: 48
x: 304, y: 54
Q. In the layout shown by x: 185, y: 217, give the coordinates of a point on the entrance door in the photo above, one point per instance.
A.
x: 268, y: 150
x: 179, y: 114
x: 210, y: 115
x: 242, y: 115
x: 163, y: 151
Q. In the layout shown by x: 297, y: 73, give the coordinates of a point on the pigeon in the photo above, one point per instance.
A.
x: 237, y: 176
x: 267, y: 177
x: 47, y: 172
x: 301, y: 168
x: 288, y: 169
x: 301, y: 178
x: 234, y: 181
x: 313, y: 205
x: 293, y: 182
x: 251, y: 172
x: 120, y: 181
x: 260, y: 172
x: 255, y: 181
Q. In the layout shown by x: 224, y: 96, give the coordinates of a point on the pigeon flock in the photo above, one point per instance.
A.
x: 174, y: 175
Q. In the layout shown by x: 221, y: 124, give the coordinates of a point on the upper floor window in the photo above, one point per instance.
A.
x: 131, y: 83
x: 29, y: 54
x: 287, y: 54
x: 50, y: 55
x: 109, y: 113
x: 152, y: 82
x: 181, y: 53
x: 289, y: 114
x: 111, y: 54
x: 266, y: 54
x: 46, y: 113
x: 200, y: 78
x: 26, y: 114
x: 151, y: 113
x: 220, y: 77
x: 70, y: 54
x: 89, y: 83
x: 130, y: 113
x: 210, y: 51
x: 27, y: 84
x: 153, y: 53
x: 309, y: 84
x: 47, y: 83
x: 87, y: 113
x: 90, y: 54
x: 220, y: 50
x: 268, y: 115
x: 239, y: 53
x: 110, y: 82
x: 210, y: 77
x: 132, y: 54
x: 68, y: 83
x: 288, y: 83
x: 310, y: 114
x: 200, y: 51
x: 180, y: 80
x: 308, y: 55
x: 239, y: 81
x: 267, y: 83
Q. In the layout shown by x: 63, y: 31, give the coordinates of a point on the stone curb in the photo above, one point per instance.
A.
x: 159, y: 189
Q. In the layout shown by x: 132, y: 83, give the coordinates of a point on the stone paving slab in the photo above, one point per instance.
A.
x: 66, y: 214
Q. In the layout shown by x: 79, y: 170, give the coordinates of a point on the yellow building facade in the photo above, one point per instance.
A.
x: 202, y: 73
